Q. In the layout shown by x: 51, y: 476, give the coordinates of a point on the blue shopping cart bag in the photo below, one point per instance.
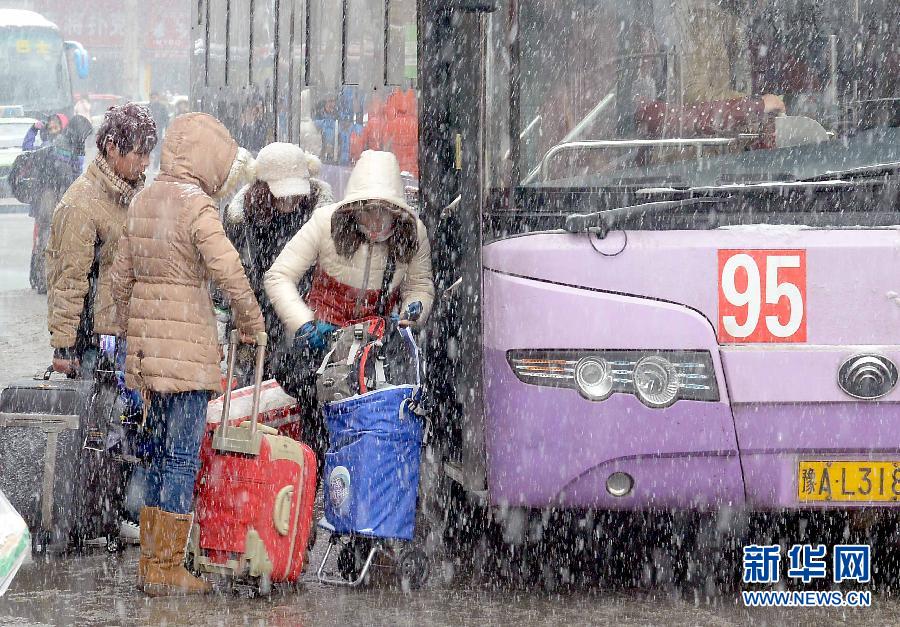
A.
x: 372, y: 465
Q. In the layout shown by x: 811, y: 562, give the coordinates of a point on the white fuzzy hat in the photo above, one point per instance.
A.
x: 285, y: 167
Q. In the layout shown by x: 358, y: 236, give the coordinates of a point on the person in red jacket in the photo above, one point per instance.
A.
x: 401, y: 132
x: 372, y: 137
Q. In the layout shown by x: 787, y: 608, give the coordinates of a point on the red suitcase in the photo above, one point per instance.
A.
x: 254, y: 502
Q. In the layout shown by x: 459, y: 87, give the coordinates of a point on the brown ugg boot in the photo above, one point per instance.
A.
x: 148, y: 552
x: 166, y: 574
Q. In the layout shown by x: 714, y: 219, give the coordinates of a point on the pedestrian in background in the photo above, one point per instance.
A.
x: 84, y: 234
x: 174, y: 242
x: 46, y: 132
x: 82, y: 106
x: 253, y: 132
x: 182, y: 106
x: 58, y: 165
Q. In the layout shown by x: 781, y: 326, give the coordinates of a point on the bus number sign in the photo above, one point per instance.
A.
x: 762, y: 296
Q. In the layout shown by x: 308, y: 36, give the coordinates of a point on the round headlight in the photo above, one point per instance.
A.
x: 655, y: 381
x: 594, y: 378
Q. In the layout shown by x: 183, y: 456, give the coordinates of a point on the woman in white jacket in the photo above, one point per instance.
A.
x: 351, y: 244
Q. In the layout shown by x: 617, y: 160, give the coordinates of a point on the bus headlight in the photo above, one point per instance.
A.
x: 655, y: 381
x: 657, y: 378
x: 593, y: 378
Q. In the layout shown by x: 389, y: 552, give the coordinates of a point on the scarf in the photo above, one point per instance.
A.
x: 126, y: 189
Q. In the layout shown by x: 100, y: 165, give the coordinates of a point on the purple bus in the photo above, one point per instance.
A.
x: 669, y: 253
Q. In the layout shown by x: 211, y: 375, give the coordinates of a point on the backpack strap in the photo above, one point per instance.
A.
x: 389, y: 267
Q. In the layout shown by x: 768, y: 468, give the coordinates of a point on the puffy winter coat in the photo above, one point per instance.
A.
x: 338, y: 281
x: 173, y: 245
x: 87, y: 225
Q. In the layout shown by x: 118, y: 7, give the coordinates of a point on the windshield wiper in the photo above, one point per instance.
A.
x: 602, y: 222
x: 866, y: 171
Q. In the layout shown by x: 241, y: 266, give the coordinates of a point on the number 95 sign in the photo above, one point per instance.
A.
x: 762, y: 296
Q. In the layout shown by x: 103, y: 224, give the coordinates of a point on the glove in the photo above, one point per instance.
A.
x: 38, y: 125
x: 413, y: 310
x: 314, y: 335
x: 412, y: 313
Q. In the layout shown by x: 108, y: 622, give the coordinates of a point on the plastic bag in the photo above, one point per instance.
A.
x: 15, y: 542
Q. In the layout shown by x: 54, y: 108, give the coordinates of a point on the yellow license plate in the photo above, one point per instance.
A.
x: 848, y: 481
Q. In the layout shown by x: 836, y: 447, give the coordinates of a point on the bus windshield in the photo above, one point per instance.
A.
x: 686, y: 93
x: 33, y: 70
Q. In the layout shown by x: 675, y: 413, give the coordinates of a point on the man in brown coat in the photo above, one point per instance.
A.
x: 173, y: 244
x: 84, y: 234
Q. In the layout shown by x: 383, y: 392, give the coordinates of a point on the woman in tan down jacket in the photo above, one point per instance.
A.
x: 173, y: 245
x: 349, y: 244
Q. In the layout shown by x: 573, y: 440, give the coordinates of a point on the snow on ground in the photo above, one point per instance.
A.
x: 24, y: 340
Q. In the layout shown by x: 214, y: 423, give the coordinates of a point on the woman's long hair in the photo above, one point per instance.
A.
x: 403, y: 243
x: 259, y: 203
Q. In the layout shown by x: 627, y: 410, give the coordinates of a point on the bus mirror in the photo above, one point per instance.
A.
x: 474, y: 6
x: 80, y: 58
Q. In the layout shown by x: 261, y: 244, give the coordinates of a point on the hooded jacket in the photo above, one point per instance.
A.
x: 339, y: 281
x: 175, y: 243
x: 86, y: 227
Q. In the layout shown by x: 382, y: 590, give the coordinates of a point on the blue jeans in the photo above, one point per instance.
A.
x: 176, y: 423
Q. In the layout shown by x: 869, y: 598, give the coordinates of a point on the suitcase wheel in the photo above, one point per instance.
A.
x: 40, y: 543
x: 263, y: 587
x: 414, y: 568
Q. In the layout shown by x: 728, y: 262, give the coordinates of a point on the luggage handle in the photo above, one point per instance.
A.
x: 47, y: 375
x: 245, y: 441
x: 281, y: 513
